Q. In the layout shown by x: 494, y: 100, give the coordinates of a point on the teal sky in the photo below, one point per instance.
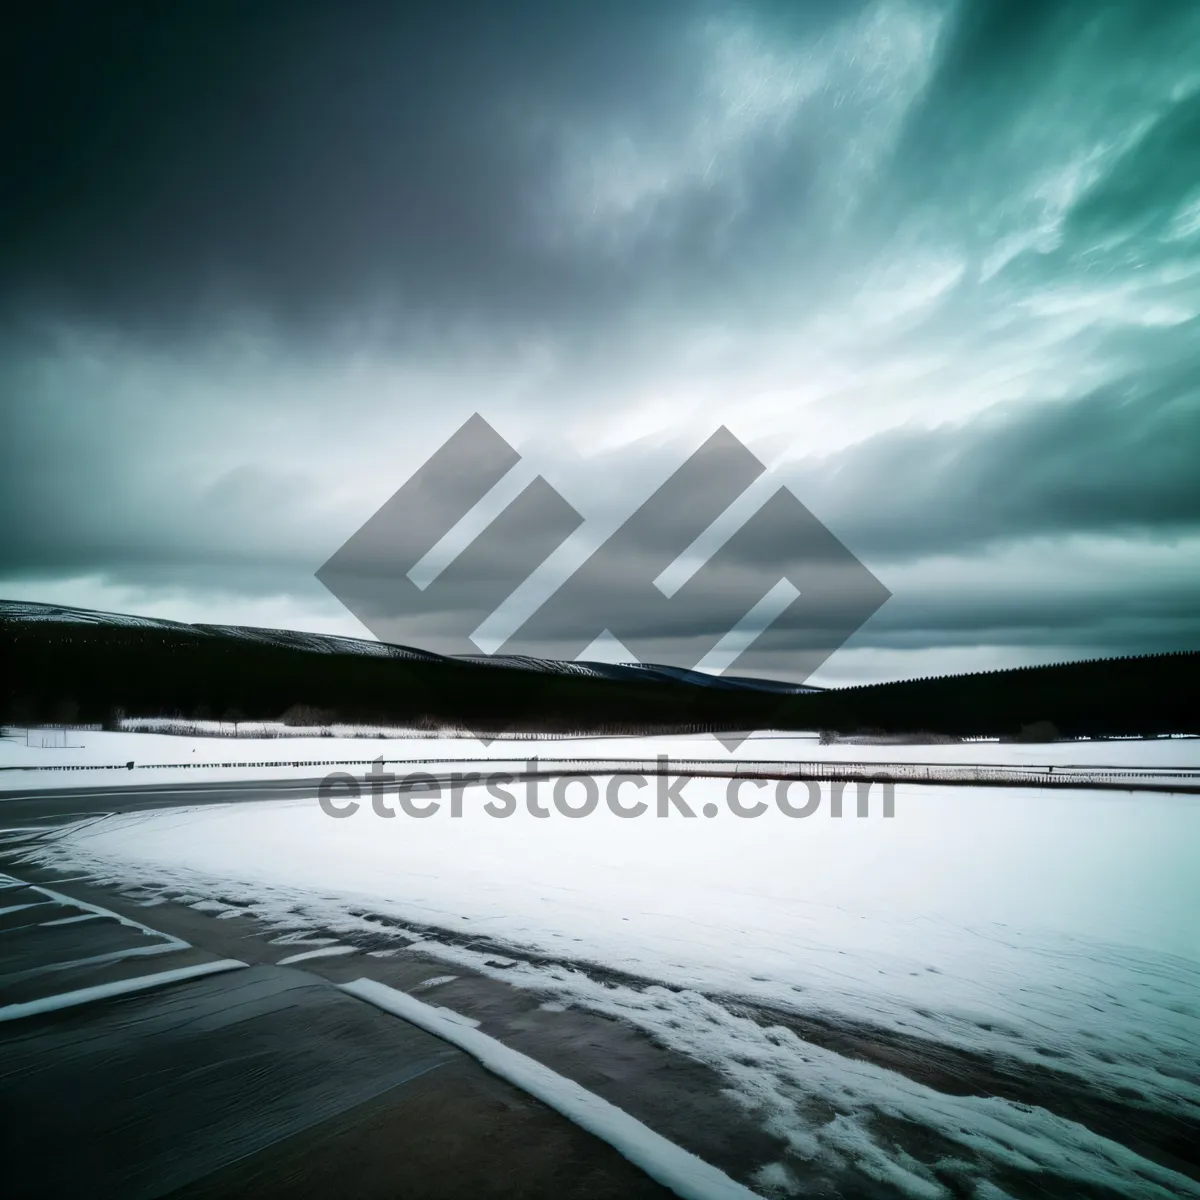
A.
x: 936, y: 263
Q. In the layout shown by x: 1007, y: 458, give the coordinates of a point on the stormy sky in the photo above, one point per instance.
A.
x: 935, y: 262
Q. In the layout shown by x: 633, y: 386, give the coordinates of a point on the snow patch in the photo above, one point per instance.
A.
x: 121, y: 987
x: 320, y: 952
x: 688, y: 1176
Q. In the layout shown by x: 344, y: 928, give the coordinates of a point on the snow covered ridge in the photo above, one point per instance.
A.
x: 29, y: 612
x: 70, y: 663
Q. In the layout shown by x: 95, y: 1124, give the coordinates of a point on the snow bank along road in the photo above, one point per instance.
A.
x: 991, y: 995
x: 164, y: 1069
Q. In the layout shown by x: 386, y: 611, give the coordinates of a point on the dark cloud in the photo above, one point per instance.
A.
x: 881, y: 208
x: 173, y: 165
x: 302, y: 159
x: 993, y: 495
x: 1121, y: 460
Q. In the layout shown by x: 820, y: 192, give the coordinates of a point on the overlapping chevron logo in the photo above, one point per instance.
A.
x: 775, y: 595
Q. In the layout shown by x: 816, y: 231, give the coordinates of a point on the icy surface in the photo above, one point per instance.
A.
x: 1034, y: 927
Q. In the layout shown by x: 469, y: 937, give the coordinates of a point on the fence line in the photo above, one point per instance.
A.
x: 1177, y: 779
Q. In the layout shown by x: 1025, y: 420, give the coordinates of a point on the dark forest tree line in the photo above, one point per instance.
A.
x: 62, y: 672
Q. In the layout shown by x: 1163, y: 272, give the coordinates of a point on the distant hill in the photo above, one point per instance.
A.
x: 68, y: 664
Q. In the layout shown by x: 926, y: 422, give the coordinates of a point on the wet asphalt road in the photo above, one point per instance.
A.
x: 132, y: 1065
x: 236, y: 1076
x: 54, y: 806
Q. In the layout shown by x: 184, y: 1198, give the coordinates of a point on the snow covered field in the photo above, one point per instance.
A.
x: 158, y: 756
x: 1051, y: 929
